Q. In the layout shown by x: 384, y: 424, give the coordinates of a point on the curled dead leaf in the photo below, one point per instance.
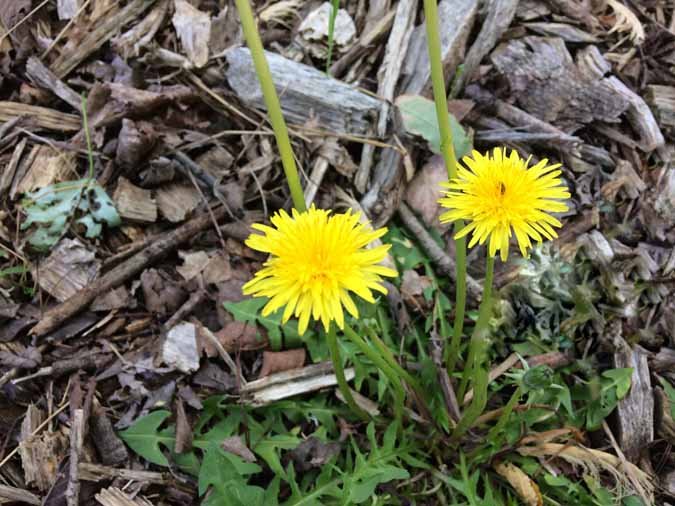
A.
x: 279, y: 361
x: 527, y: 490
x: 240, y: 336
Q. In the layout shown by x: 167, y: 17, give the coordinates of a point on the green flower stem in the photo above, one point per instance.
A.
x: 478, y: 337
x: 384, y: 361
x: 331, y: 338
x: 448, y: 152
x: 389, y: 356
x: 272, y: 102
x: 394, y: 379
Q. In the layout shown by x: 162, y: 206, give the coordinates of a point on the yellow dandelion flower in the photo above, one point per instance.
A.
x: 316, y: 261
x: 500, y: 195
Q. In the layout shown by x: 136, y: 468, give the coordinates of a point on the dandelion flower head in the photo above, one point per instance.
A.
x: 500, y: 195
x: 317, y: 259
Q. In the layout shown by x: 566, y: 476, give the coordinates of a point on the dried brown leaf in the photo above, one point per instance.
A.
x: 279, y: 361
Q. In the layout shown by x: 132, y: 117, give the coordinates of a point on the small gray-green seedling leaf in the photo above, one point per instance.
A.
x: 419, y: 118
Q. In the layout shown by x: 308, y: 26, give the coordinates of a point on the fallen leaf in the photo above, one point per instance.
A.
x: 193, y: 28
x: 179, y: 349
x: 183, y: 429
x: 525, y: 487
x: 217, y: 269
x: 413, y: 284
x: 424, y: 190
x: 240, y: 336
x: 162, y: 295
x: 235, y: 445
x: 313, y: 452
x: 68, y: 269
x: 279, y: 361
x: 193, y: 264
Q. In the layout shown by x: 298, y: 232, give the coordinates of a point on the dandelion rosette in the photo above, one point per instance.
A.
x: 500, y: 195
x: 317, y: 259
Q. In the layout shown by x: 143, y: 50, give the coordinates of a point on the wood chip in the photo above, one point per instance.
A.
x: 635, y: 412
x: 48, y: 166
x: 134, y: 203
x: 305, y: 93
x: 97, y: 35
x: 193, y: 28
x: 40, y: 117
x: 455, y: 20
x: 176, y: 201
x: 68, y: 269
x: 115, y: 497
x: 40, y: 453
x: 179, y: 349
x: 547, y: 83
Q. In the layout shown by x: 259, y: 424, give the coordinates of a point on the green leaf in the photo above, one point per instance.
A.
x: 269, y: 450
x: 620, y: 379
x: 50, y: 210
x: 419, y: 118
x: 144, y: 438
x: 225, y: 472
x: 670, y: 393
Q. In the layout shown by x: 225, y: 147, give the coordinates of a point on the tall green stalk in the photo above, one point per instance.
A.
x: 272, y: 102
x: 474, y: 369
x: 478, y: 337
x: 448, y: 152
x: 331, y: 340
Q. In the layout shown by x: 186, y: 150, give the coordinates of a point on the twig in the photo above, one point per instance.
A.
x: 54, y: 317
x: 188, y: 306
x: 23, y: 20
x: 444, y: 263
x: 76, y: 441
x: 225, y: 356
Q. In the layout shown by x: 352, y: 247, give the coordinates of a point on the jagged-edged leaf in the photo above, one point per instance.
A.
x: 145, y: 438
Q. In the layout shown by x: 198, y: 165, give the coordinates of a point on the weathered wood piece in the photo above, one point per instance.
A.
x: 455, y: 20
x: 662, y: 100
x: 499, y: 17
x: 113, y: 496
x: 45, y: 78
x: 40, y: 117
x: 97, y: 472
x: 21, y: 496
x: 69, y: 268
x: 591, y: 61
x: 305, y: 93
x: 290, y: 383
x: 102, y: 31
x: 635, y: 412
x: 55, y: 316
x: 548, y: 84
x: 134, y: 203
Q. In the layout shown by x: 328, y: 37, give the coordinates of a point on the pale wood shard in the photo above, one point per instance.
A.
x: 97, y: 472
x: 48, y: 166
x: 8, y: 172
x: 305, y: 93
x: 455, y: 19
x: 77, y: 429
x: 141, y: 34
x: 193, y: 28
x: 134, y: 203
x: 115, y: 497
x: 67, y: 9
x: 45, y: 78
x: 102, y: 31
x: 177, y: 200
x: 12, y: 494
x: 635, y: 412
x: 68, y: 269
x: 40, y: 117
x: 546, y: 82
x: 394, y: 54
x: 499, y: 17
x: 662, y: 100
x: 40, y: 453
x: 591, y: 61
x: 290, y: 383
